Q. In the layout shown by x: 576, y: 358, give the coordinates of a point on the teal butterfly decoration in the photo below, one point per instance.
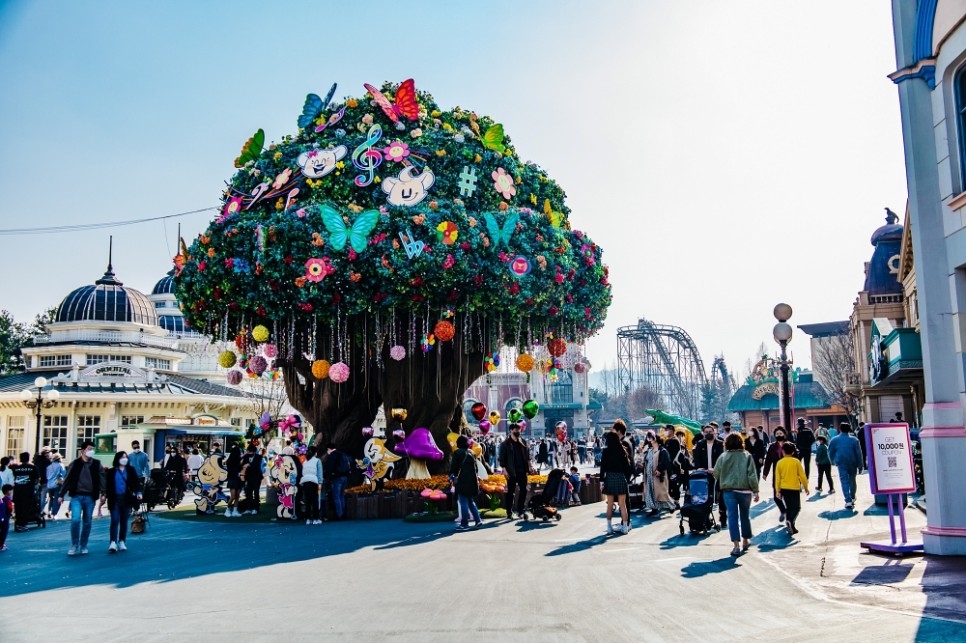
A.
x: 314, y: 106
x: 357, y: 235
x: 498, y: 234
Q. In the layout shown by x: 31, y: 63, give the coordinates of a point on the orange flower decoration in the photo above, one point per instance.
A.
x: 444, y: 331
x: 320, y: 369
x: 301, y: 281
x: 354, y: 277
x: 317, y: 240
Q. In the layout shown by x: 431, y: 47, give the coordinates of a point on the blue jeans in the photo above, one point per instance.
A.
x: 739, y: 508
x: 467, y: 508
x: 55, y: 502
x: 847, y: 481
x: 119, y: 516
x: 80, y: 507
x: 338, y: 494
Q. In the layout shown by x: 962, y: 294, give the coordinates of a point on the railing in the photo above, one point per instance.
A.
x: 107, y: 337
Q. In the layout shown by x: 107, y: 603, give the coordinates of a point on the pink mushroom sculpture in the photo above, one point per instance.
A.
x: 420, y: 447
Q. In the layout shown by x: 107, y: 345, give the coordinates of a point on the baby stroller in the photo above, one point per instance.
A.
x: 541, y: 505
x: 698, y: 506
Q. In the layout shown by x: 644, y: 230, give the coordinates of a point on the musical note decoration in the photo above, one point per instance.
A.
x: 367, y: 159
x: 412, y: 247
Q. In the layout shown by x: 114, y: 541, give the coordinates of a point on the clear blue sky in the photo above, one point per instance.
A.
x: 726, y: 155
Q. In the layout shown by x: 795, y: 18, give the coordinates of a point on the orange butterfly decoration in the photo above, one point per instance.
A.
x: 406, y: 104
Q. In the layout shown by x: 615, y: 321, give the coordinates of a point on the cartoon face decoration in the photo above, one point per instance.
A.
x: 317, y: 163
x: 211, y: 472
x: 408, y: 190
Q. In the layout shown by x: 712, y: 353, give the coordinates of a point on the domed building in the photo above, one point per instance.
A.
x: 113, y: 359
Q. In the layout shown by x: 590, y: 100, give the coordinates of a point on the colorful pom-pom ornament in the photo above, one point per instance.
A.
x: 339, y: 372
x: 320, y: 369
x: 260, y: 333
x: 525, y: 363
x: 234, y: 377
x: 557, y: 347
x: 227, y: 359
x: 258, y: 364
x: 580, y: 367
x: 398, y: 353
x: 271, y: 351
x: 444, y: 331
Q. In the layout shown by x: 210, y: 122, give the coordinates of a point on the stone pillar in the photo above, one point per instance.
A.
x: 943, y: 434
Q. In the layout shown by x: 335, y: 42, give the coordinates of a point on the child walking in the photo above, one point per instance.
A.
x: 824, y: 464
x: 789, y: 481
x: 6, y: 510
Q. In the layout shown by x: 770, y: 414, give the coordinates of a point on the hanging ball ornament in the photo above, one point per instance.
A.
x: 368, y: 431
x: 398, y: 353
x: 339, y: 372
x: 530, y: 409
x: 399, y: 434
x: 399, y: 415
x: 271, y: 351
x: 258, y: 364
x: 515, y: 415
x: 320, y: 369
x: 234, y: 377
x: 227, y: 359
x: 478, y: 410
x: 557, y: 347
x: 525, y: 363
x: 260, y: 333
x: 444, y: 331
x: 580, y: 367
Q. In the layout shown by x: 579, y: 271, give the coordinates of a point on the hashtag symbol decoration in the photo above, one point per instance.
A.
x: 468, y: 178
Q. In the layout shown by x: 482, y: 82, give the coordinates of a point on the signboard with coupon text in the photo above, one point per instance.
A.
x: 889, y: 450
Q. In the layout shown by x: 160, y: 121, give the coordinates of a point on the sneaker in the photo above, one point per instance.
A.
x: 477, y: 524
x: 73, y: 551
x: 462, y: 527
x: 788, y: 527
x: 121, y: 546
x: 610, y: 529
x: 831, y: 491
x: 112, y: 549
x: 316, y: 522
x: 781, y: 517
x: 3, y: 548
x: 849, y: 505
x: 627, y: 528
x: 83, y: 551
x: 308, y: 522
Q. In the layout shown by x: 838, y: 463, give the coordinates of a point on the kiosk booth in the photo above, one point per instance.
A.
x: 198, y: 432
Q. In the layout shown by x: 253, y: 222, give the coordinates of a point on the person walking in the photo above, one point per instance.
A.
x: 824, y: 464
x: 737, y: 478
x: 846, y: 454
x: 55, y: 480
x: 463, y: 473
x: 84, y: 483
x: 6, y: 510
x: 252, y: 474
x: 139, y: 461
x: 195, y: 462
x: 804, y: 441
x: 543, y: 453
x: 706, y: 454
x: 176, y: 469
x: 24, y: 493
x: 756, y: 448
x: 773, y: 454
x: 515, y: 462
x: 123, y: 491
x: 615, y: 471
x: 233, y: 480
x: 6, y: 473
x: 790, y: 480
x: 311, y: 485
x: 41, y: 461
x: 657, y: 470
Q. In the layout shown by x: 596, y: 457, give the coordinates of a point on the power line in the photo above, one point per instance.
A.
x: 96, y: 226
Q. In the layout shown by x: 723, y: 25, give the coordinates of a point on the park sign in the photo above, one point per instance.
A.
x: 889, y: 452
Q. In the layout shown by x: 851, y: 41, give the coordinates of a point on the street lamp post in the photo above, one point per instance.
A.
x: 39, y: 403
x: 783, y: 334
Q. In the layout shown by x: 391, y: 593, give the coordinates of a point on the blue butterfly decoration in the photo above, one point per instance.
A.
x: 314, y: 106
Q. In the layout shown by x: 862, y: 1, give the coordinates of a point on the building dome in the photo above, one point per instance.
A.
x: 165, y: 286
x: 174, y: 324
x: 107, y: 301
x: 882, y: 274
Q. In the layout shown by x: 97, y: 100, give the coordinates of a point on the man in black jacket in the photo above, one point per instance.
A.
x: 84, y: 484
x: 804, y: 441
x: 706, y: 454
x: 515, y: 462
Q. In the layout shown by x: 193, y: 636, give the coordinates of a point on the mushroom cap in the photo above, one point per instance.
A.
x: 419, y: 444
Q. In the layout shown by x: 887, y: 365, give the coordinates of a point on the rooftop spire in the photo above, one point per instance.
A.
x: 109, y: 278
x: 891, y: 217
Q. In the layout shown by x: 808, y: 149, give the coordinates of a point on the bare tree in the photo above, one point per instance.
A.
x: 266, y: 395
x: 640, y: 399
x: 834, y: 365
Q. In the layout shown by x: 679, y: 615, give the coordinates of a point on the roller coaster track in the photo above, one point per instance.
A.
x: 665, y: 359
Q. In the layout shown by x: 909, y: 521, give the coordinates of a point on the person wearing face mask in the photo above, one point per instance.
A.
x: 515, y: 462
x: 706, y: 454
x: 138, y: 460
x: 657, y: 467
x: 772, y: 456
x: 85, y: 483
x: 123, y: 491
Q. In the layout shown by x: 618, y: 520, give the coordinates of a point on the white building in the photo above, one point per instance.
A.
x: 113, y: 358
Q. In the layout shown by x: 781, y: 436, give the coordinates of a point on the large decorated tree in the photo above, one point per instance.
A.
x: 385, y: 254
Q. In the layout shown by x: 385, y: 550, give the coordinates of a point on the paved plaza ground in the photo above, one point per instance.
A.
x: 394, y: 581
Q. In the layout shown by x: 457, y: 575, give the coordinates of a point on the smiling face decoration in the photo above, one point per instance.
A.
x: 408, y: 190
x: 317, y: 163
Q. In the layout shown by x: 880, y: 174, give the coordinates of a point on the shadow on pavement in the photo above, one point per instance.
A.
x: 174, y: 550
x: 761, y: 507
x: 697, y: 570
x: 838, y: 514
x: 580, y: 545
x: 773, y: 539
x: 944, y: 584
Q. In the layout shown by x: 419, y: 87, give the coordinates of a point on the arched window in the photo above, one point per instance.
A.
x: 959, y: 88
x: 467, y: 412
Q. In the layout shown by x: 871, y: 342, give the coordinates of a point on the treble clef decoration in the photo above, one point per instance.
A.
x: 367, y: 159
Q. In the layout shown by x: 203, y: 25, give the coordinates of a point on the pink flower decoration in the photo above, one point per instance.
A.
x: 300, y: 213
x: 396, y: 151
x: 271, y: 351
x: 234, y: 377
x: 232, y: 206
x: 503, y: 183
x: 282, y: 179
x: 339, y: 372
x: 397, y: 352
x: 258, y: 365
x: 316, y: 269
x: 449, y: 262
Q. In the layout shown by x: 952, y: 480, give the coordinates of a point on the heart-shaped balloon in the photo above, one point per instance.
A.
x: 494, y: 418
x: 485, y: 426
x: 478, y: 410
x: 515, y: 415
x: 530, y: 409
x: 523, y: 425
